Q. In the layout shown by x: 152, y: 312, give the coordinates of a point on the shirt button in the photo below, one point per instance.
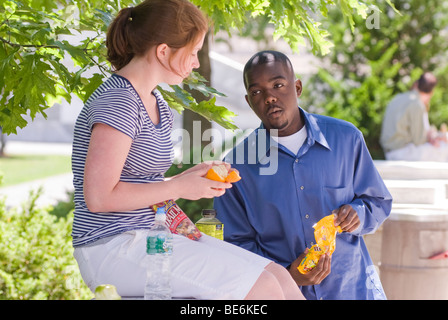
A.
x: 312, y: 243
x: 297, y: 160
x: 307, y: 216
x: 302, y: 187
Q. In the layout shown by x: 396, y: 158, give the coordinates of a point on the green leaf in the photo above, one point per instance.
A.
x: 180, y: 99
x: 79, y: 56
x: 197, y: 82
x: 219, y: 114
x: 11, y: 117
x: 93, y: 83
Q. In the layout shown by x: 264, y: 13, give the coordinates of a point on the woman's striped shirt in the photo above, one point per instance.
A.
x: 117, y: 104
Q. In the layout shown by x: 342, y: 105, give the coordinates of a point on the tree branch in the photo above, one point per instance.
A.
x: 18, y: 45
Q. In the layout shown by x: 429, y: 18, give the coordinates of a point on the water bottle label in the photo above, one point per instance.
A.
x: 159, y: 244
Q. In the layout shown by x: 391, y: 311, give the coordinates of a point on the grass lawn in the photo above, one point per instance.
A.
x: 22, y: 168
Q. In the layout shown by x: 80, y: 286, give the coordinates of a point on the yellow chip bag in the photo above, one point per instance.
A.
x: 325, y: 235
x: 311, y: 259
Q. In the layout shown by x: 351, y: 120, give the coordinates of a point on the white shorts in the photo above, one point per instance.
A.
x: 209, y: 268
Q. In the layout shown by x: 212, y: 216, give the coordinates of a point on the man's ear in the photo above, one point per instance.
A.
x: 298, y: 87
x: 247, y: 99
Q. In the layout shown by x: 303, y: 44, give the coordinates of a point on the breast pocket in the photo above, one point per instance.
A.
x: 334, y: 197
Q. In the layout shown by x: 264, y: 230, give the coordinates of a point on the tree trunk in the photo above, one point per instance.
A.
x: 2, y: 143
x: 193, y: 123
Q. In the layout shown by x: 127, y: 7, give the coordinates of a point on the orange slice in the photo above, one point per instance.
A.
x: 217, y: 173
x: 220, y: 173
x: 233, y: 176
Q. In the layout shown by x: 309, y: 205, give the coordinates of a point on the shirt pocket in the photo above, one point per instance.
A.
x: 334, y: 197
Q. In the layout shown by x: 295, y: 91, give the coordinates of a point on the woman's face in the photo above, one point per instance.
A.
x: 182, y: 62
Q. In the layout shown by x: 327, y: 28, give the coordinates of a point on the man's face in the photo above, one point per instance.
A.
x: 272, y: 93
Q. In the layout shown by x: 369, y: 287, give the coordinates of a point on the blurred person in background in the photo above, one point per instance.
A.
x: 406, y: 132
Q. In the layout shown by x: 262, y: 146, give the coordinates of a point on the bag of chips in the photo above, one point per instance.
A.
x: 177, y: 221
x: 325, y: 235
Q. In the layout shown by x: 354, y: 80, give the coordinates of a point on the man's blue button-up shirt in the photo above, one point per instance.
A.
x: 272, y: 209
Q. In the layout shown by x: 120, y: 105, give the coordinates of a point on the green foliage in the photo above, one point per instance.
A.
x: 36, y: 41
x: 372, y: 63
x: 63, y: 209
x: 294, y: 21
x: 180, y: 99
x: 36, y: 255
x: 359, y: 102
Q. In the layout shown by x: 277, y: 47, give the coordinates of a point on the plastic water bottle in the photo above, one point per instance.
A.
x: 159, y: 249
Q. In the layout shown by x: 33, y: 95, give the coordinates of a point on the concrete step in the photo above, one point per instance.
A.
x: 412, y: 170
x: 433, y: 192
x: 416, y: 208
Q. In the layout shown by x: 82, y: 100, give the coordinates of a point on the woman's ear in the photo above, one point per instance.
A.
x: 162, y: 51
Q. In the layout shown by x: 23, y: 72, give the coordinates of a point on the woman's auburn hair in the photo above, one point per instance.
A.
x: 177, y: 23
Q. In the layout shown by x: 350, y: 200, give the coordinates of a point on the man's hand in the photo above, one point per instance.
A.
x: 347, y: 218
x: 316, y: 275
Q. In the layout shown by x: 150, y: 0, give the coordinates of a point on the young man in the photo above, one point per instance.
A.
x: 297, y: 168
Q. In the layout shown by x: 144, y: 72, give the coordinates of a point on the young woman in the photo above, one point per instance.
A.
x: 122, y: 148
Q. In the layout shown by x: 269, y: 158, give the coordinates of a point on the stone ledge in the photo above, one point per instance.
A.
x: 410, y: 170
x: 418, y: 191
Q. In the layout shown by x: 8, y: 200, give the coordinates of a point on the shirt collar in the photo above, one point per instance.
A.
x: 314, y: 134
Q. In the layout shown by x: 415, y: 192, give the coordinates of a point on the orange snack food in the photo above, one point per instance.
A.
x: 325, y: 235
x: 220, y: 173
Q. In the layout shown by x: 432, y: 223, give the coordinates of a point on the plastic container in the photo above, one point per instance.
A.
x: 414, y: 258
x: 210, y: 225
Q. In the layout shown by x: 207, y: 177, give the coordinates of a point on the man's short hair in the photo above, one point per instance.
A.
x: 426, y: 82
x: 263, y: 57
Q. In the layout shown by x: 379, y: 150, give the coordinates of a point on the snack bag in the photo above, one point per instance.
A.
x: 177, y: 221
x: 311, y: 259
x: 325, y: 235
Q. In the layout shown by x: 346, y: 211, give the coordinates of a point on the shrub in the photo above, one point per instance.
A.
x: 36, y: 255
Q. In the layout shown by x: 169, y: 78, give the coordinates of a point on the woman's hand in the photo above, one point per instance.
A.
x: 193, y: 185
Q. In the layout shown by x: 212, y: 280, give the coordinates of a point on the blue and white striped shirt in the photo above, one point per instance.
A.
x: 117, y: 104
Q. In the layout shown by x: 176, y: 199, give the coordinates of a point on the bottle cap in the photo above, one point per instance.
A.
x: 160, y: 214
x: 208, y: 212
